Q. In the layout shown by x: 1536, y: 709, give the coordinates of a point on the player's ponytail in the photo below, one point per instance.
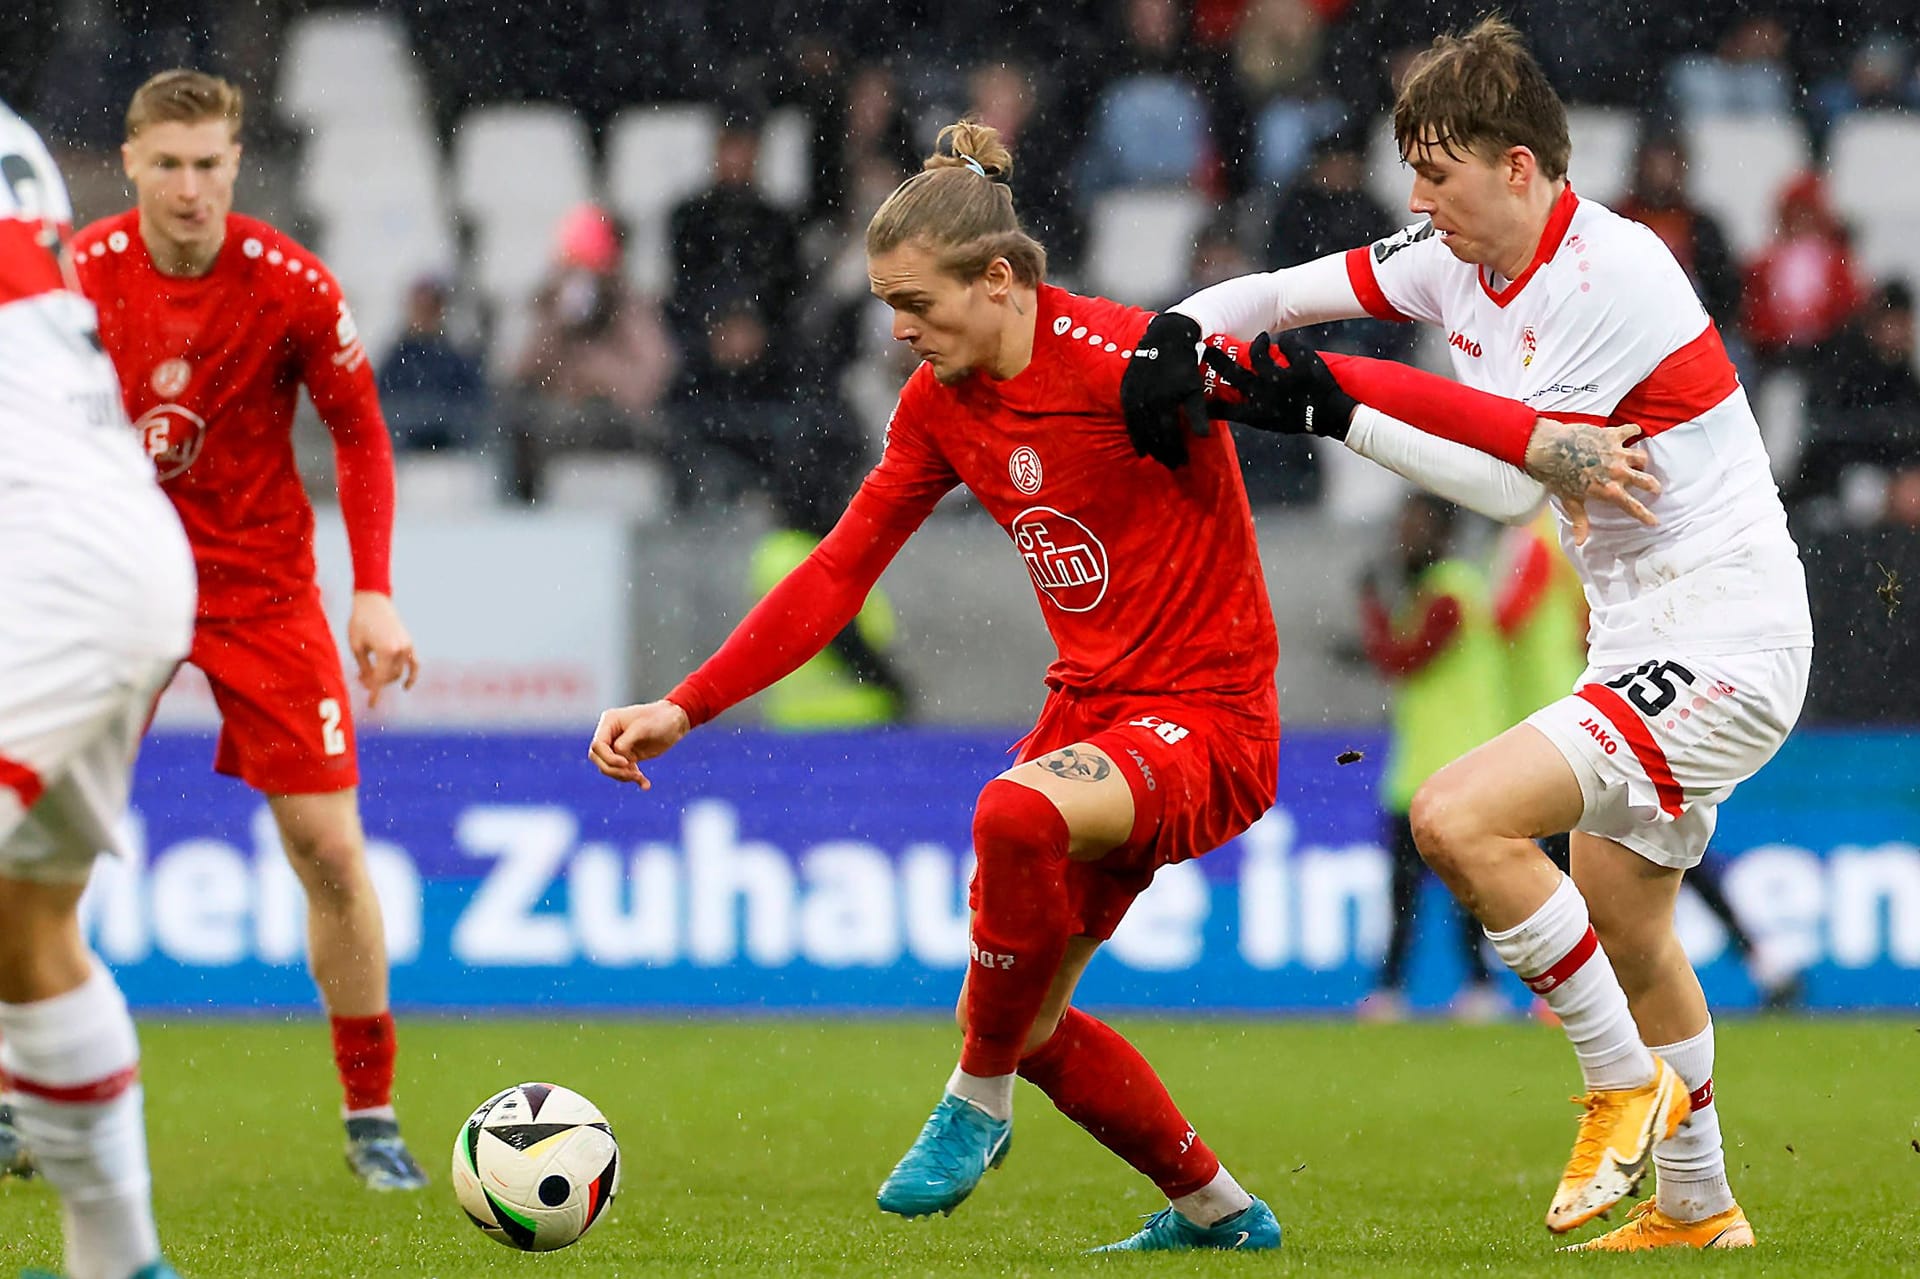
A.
x: 960, y: 208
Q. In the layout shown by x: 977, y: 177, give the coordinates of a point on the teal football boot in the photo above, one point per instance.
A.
x: 1252, y: 1229
x: 952, y: 1153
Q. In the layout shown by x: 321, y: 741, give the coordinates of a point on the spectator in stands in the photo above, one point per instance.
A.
x: 1879, y: 73
x: 597, y: 362
x: 1863, y: 410
x: 1748, y: 73
x: 1006, y: 95
x: 1658, y: 197
x: 729, y: 242
x: 434, y: 393
x: 1802, y: 288
x: 1428, y: 628
x: 1277, y: 59
x: 1170, y: 114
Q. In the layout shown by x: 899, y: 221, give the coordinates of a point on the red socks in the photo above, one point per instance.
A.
x: 1101, y: 1082
x: 363, y: 1050
x: 1020, y: 925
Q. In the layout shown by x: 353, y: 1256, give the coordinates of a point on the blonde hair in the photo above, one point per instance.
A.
x: 1482, y: 92
x: 185, y: 97
x: 960, y: 208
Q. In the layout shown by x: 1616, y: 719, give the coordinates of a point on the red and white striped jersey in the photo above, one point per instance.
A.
x: 61, y: 421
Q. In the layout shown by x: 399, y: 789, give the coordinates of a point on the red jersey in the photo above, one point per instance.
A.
x: 211, y: 368
x: 1149, y: 579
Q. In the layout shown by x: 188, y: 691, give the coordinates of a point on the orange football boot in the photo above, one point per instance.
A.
x: 1618, y: 1130
x: 1648, y: 1227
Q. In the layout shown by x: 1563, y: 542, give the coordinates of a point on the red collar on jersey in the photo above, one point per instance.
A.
x: 1557, y: 223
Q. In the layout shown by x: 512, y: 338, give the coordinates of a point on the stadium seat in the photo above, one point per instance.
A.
x: 1876, y: 187
x: 657, y: 156
x: 624, y: 484
x: 353, y: 66
x: 1736, y: 166
x: 786, y: 158
x: 525, y: 160
x: 1601, y: 167
x: 1140, y: 244
x: 1388, y: 178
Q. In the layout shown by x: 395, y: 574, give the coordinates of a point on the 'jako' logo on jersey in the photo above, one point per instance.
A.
x: 172, y: 436
x: 1066, y: 560
x: 170, y: 378
x: 1023, y: 468
x: 1461, y: 342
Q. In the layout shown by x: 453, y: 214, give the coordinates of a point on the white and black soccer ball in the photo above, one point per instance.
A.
x: 535, y: 1166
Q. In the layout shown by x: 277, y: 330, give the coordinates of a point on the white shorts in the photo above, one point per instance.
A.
x: 98, y: 612
x: 1657, y: 747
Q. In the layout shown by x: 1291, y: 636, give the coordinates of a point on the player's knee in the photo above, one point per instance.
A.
x: 1444, y: 824
x: 1011, y: 819
x: 328, y: 862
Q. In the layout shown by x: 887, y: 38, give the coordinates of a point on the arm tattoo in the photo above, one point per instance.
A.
x: 1077, y: 766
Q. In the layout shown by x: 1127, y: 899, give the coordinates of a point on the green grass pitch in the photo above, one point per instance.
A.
x: 755, y: 1147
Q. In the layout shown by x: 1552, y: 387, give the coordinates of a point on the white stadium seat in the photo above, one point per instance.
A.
x: 454, y: 483
x: 1388, y: 178
x: 1603, y: 138
x: 1140, y: 244
x: 347, y: 66
x: 523, y: 158
x: 786, y: 158
x: 657, y: 156
x: 1876, y: 164
x: 1736, y: 167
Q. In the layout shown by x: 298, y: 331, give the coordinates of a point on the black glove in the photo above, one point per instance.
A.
x: 1161, y: 392
x: 1299, y: 397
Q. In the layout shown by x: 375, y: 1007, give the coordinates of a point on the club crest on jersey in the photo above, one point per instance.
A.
x: 170, y: 378
x: 1530, y: 343
x: 1066, y: 560
x: 1023, y: 468
x: 172, y: 436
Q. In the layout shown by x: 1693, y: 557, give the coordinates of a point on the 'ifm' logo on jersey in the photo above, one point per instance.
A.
x: 1530, y: 344
x: 173, y: 437
x: 1066, y: 560
x: 1023, y: 468
x: 1461, y: 342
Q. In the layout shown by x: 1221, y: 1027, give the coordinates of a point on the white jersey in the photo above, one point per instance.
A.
x: 62, y: 425
x: 1603, y: 326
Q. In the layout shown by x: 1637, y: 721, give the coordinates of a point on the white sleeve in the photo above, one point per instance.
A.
x: 1453, y: 471
x: 1311, y: 293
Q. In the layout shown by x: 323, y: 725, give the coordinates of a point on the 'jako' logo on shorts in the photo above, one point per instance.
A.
x: 1066, y: 560
x: 172, y: 436
x: 1023, y: 468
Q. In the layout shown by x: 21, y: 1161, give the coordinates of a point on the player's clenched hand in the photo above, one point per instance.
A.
x: 1581, y: 462
x: 1297, y: 397
x: 1160, y: 392
x: 380, y: 643
x: 626, y: 735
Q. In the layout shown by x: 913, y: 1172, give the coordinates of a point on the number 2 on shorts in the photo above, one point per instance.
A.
x: 332, y: 740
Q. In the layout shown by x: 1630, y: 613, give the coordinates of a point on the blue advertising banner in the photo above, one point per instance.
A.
x: 777, y: 872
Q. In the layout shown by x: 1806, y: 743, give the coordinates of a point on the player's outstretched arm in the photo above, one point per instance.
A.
x: 626, y: 735
x: 381, y: 646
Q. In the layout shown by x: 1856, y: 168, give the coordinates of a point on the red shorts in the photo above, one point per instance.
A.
x: 1198, y: 780
x: 286, y: 722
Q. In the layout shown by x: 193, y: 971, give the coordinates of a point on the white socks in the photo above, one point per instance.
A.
x: 1556, y: 954
x: 71, y: 1064
x: 1214, y: 1202
x: 991, y: 1093
x: 1691, y: 1165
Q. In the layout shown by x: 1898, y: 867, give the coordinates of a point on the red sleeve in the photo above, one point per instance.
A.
x: 1397, y: 658
x: 1366, y: 286
x: 1523, y: 586
x: 812, y: 604
x: 334, y: 366
x: 1439, y: 406
x: 806, y: 609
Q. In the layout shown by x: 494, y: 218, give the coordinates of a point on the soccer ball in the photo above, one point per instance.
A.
x: 535, y: 1166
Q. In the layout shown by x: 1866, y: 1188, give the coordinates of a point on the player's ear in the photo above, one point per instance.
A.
x: 1521, y: 165
x: 999, y: 280
x: 126, y: 158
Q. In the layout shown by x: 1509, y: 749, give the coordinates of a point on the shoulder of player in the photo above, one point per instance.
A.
x: 271, y: 256
x: 1083, y: 327
x: 108, y: 235
x: 1610, y: 248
